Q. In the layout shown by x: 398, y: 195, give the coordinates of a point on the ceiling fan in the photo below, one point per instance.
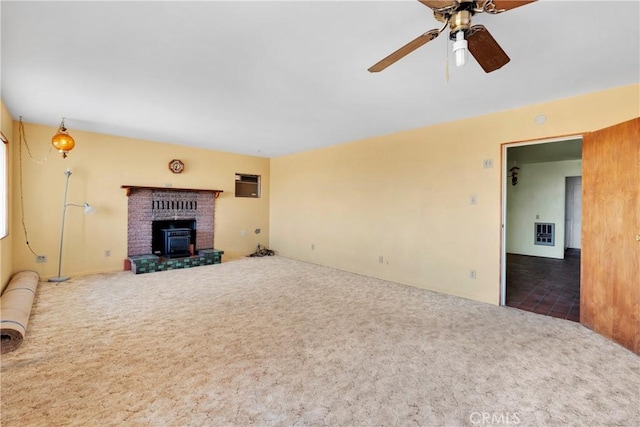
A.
x: 476, y: 39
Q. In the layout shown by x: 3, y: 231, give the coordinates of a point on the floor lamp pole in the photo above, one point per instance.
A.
x: 64, y: 212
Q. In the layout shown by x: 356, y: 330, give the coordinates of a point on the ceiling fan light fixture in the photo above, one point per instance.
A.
x: 476, y: 39
x: 460, y: 49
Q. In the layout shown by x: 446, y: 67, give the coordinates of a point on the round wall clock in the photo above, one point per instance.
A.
x: 176, y: 166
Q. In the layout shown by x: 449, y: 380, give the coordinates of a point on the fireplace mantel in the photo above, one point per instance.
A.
x: 128, y: 188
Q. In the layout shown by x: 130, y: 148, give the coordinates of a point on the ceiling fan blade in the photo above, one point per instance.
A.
x: 405, y: 50
x: 510, y: 4
x: 437, y: 4
x: 486, y: 49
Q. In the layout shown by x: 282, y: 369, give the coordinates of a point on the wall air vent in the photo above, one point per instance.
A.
x: 545, y: 234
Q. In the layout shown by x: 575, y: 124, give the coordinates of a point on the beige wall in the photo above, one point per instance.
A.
x: 100, y: 165
x: 538, y: 197
x: 6, y: 125
x: 406, y: 197
x: 403, y: 197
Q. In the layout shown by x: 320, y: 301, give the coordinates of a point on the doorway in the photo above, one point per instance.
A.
x: 573, y: 213
x: 541, y: 226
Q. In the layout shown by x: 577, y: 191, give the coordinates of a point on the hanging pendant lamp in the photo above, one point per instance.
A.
x: 62, y: 141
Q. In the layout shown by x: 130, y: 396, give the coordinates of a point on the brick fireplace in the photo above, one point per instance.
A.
x: 149, y: 204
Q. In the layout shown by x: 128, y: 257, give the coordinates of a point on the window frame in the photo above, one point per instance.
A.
x: 4, y: 185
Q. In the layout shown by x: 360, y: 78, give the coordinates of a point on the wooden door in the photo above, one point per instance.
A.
x: 610, y: 272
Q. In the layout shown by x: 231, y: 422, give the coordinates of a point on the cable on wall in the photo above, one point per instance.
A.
x: 23, y: 138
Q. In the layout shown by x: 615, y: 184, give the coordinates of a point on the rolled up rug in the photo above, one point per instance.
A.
x: 15, y: 308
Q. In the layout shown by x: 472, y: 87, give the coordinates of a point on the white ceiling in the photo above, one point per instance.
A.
x: 271, y: 78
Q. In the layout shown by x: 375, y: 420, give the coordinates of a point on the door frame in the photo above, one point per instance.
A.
x: 503, y: 201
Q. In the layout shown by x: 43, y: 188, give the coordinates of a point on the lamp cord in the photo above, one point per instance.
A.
x: 20, y: 179
x: 26, y: 144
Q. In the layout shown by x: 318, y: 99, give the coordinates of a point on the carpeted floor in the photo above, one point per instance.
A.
x: 272, y: 341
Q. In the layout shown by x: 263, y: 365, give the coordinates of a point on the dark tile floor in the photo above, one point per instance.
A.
x: 545, y: 285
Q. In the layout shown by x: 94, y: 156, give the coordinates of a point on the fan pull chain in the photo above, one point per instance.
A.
x: 446, y: 69
x: 446, y: 63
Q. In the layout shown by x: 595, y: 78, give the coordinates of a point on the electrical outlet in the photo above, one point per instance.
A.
x: 472, y: 274
x: 41, y: 259
x: 474, y: 199
x: 107, y: 252
x: 381, y: 259
x: 487, y: 163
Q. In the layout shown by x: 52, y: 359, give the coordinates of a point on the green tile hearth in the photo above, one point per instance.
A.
x: 151, y: 263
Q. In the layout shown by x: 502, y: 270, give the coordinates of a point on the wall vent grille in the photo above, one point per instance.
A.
x: 545, y: 234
